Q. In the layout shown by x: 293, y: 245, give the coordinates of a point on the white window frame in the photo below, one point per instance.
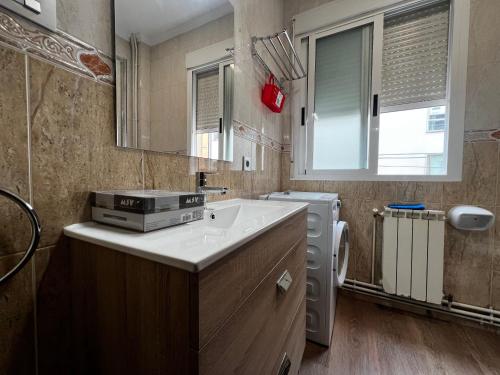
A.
x: 199, y: 61
x: 345, y: 14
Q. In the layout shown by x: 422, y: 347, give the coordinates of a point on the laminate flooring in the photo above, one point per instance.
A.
x: 372, y: 339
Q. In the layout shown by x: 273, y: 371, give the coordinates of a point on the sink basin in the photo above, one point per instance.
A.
x: 226, y: 226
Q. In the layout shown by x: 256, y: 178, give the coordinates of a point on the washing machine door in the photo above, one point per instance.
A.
x: 341, y: 252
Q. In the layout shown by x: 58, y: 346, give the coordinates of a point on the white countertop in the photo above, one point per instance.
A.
x: 196, y: 245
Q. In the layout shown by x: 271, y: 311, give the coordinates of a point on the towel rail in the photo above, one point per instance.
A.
x: 35, y: 233
x: 280, y: 48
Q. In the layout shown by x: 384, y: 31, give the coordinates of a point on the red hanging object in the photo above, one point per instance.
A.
x: 272, y: 96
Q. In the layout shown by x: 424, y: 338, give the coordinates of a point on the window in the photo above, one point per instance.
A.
x: 414, y: 83
x: 207, y: 113
x: 380, y: 94
x: 341, y: 97
x: 212, y: 92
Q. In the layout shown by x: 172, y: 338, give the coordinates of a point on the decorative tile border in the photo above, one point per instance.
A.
x: 253, y: 135
x: 491, y: 135
x: 56, y: 47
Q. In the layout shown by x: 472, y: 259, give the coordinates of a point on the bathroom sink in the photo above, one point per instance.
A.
x: 239, y: 214
x: 193, y: 246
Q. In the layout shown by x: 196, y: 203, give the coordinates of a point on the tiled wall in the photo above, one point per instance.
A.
x: 255, y: 18
x: 57, y: 144
x: 472, y: 260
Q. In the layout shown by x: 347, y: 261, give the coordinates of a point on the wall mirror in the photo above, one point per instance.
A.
x: 175, y: 76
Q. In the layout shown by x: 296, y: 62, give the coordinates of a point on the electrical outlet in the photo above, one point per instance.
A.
x: 247, y: 163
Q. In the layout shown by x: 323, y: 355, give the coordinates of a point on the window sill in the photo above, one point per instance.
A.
x: 392, y: 178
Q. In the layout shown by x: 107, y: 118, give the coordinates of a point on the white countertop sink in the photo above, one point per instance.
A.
x: 196, y: 245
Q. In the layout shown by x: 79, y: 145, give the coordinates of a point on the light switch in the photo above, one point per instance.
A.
x: 34, y: 5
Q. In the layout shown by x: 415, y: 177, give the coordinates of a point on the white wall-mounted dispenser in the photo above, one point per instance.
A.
x: 471, y: 218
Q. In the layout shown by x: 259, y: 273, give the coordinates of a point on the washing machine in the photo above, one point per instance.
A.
x: 327, y: 259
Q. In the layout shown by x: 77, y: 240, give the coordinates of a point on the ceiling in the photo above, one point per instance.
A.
x: 158, y: 20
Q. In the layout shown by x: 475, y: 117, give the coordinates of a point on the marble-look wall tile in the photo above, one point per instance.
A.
x: 17, y: 341
x: 61, y: 114
x: 370, y: 190
x: 482, y: 110
x: 89, y: 21
x: 110, y: 167
x: 13, y: 150
x: 484, y: 45
x: 479, y: 176
x: 13, y: 122
x: 496, y: 290
x: 468, y: 265
x: 363, y: 227
x: 285, y: 171
x: 430, y: 193
x: 169, y: 172
x: 496, y: 251
x: 115, y: 168
x: 73, y: 148
x: 15, y: 228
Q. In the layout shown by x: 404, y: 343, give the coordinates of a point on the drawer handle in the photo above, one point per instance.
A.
x: 286, y: 364
x: 284, y: 282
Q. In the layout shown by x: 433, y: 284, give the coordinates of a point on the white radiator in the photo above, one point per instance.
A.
x: 413, y: 252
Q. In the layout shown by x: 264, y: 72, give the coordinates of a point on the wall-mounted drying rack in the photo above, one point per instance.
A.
x: 280, y: 48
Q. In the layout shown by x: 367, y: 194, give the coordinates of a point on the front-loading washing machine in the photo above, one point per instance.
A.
x: 327, y: 259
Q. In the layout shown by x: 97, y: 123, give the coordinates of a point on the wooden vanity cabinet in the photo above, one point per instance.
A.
x: 136, y: 316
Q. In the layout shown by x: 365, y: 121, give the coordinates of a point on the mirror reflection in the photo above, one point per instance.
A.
x: 175, y: 76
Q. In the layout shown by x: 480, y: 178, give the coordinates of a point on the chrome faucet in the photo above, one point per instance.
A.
x: 201, y: 187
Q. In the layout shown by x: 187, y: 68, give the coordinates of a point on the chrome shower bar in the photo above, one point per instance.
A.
x: 280, y: 48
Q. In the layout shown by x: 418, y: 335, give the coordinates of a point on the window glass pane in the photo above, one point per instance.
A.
x: 436, y: 165
x: 207, y: 145
x: 342, y: 90
x: 406, y: 147
x: 207, y: 101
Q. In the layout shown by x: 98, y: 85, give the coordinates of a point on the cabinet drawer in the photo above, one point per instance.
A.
x: 253, y: 339
x: 295, y: 343
x: 224, y: 286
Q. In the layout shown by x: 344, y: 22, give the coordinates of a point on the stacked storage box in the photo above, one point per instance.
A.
x: 146, y: 210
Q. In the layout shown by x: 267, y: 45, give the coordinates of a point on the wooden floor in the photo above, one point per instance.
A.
x: 370, y: 339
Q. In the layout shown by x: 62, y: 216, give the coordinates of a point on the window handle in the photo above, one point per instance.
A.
x: 220, y: 125
x: 303, y: 116
x: 375, y: 105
